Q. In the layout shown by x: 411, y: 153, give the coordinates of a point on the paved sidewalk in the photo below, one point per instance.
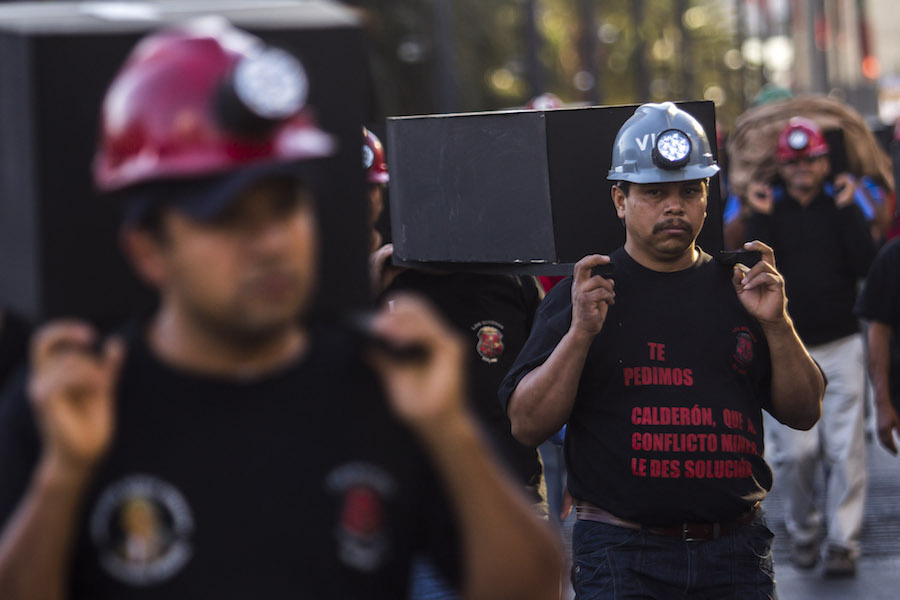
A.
x: 878, y: 577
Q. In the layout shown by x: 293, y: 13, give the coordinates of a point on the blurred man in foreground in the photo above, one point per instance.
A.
x: 195, y: 455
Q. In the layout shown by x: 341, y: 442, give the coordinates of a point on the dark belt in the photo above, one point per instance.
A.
x: 686, y: 531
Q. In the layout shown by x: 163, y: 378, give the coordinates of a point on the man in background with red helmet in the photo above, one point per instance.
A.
x: 195, y: 455
x: 824, y: 248
x: 377, y: 177
x: 493, y: 313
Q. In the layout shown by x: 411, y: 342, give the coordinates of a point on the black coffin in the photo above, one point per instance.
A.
x: 515, y: 191
x: 58, y: 249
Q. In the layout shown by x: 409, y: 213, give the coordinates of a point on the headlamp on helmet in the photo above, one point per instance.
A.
x: 373, y: 161
x: 672, y: 150
x: 798, y: 139
x: 801, y: 139
x: 265, y: 89
x: 272, y: 84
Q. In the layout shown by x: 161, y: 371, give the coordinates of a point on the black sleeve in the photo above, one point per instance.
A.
x: 530, y: 298
x: 760, y: 227
x: 857, y: 239
x: 551, y: 322
x: 880, y: 297
x: 19, y: 446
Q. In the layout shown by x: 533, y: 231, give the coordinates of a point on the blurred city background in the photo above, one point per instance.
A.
x: 442, y: 56
x: 468, y: 55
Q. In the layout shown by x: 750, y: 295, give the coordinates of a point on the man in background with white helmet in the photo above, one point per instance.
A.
x: 661, y: 371
x: 222, y: 448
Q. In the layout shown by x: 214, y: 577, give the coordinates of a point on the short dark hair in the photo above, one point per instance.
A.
x: 151, y: 222
x: 145, y: 208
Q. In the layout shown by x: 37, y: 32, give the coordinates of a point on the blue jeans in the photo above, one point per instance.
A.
x: 426, y: 582
x: 615, y: 563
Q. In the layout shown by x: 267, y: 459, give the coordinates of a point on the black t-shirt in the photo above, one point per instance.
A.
x: 822, y: 251
x: 493, y: 314
x: 300, y: 484
x: 14, y: 334
x: 667, y: 423
x: 880, y: 301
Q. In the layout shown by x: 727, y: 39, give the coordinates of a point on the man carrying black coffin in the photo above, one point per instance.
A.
x: 661, y: 372
x: 222, y: 449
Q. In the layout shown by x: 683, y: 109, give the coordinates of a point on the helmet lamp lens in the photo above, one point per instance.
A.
x: 798, y: 139
x: 673, y: 147
x: 273, y: 84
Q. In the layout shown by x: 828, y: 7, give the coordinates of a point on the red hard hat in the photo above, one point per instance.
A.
x: 544, y: 102
x: 373, y: 158
x: 801, y: 138
x: 200, y: 100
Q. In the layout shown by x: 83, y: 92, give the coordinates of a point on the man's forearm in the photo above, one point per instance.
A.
x: 508, y: 551
x: 879, y: 353
x: 37, y: 540
x: 543, y: 400
x: 797, y: 382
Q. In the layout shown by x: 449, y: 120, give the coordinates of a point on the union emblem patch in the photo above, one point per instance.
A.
x: 142, y: 528
x: 490, y: 343
x: 363, y: 531
x: 744, y: 350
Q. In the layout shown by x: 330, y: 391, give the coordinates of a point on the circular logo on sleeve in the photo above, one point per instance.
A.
x: 142, y: 527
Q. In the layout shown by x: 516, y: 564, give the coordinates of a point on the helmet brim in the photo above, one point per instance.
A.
x: 204, y: 199
x: 690, y: 173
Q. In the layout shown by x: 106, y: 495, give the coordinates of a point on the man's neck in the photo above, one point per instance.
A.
x: 181, y: 342
x: 804, y: 197
x: 664, y: 264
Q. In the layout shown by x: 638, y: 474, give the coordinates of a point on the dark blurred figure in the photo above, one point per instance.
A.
x: 224, y: 448
x: 823, y: 246
x: 14, y: 334
x: 492, y: 314
x: 879, y: 304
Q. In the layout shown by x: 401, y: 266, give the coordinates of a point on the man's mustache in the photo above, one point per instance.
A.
x: 673, y: 224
